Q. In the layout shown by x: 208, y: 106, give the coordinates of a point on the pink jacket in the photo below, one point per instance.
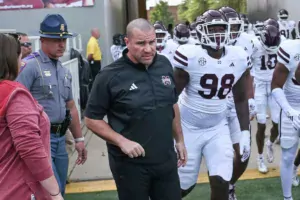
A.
x: 25, y: 144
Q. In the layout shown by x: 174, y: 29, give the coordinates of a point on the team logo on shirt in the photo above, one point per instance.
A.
x: 297, y: 57
x: 166, y: 80
x: 202, y: 61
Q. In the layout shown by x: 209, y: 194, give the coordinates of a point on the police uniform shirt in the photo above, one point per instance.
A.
x: 138, y: 103
x: 48, y: 82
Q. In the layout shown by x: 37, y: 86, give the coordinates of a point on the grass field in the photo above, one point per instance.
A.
x: 260, y: 189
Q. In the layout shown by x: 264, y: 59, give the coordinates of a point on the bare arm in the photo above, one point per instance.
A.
x: 75, y: 124
x: 250, y: 88
x: 280, y: 75
x: 177, y: 130
x: 241, y: 100
x: 182, y: 78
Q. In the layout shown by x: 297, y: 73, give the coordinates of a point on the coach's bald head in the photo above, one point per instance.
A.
x: 139, y: 24
x: 141, y: 41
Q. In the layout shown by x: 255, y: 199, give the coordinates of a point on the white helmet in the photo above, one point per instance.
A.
x: 161, y: 36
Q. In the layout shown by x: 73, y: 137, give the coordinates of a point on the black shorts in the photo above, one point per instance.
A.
x: 139, y: 181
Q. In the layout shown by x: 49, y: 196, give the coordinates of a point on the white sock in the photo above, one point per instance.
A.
x: 261, y: 156
x: 269, y: 142
x: 286, y: 169
x: 231, y: 186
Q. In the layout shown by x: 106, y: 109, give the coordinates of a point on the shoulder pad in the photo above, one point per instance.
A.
x: 287, y: 48
x: 183, y: 54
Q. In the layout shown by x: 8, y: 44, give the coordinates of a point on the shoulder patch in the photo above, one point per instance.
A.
x: 23, y: 64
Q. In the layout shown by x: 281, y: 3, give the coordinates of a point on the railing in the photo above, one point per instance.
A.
x: 75, y: 43
x: 7, y: 30
x: 72, y: 65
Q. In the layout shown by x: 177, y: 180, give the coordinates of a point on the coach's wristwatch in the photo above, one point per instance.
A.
x: 81, y: 139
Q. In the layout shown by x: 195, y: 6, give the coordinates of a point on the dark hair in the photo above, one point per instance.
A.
x: 21, y: 34
x: 10, y: 50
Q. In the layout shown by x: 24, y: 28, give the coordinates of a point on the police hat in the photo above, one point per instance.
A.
x: 55, y: 26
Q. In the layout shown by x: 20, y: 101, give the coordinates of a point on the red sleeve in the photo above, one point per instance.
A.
x: 23, y: 117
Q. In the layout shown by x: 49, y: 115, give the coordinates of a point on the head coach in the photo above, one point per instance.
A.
x: 138, y: 95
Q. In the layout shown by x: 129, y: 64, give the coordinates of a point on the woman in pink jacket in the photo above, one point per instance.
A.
x: 25, y: 166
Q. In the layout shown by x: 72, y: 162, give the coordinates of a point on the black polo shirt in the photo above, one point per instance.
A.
x: 138, y: 103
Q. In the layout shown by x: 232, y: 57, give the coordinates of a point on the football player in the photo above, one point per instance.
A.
x: 206, y: 74
x: 247, y: 25
x: 237, y: 38
x: 273, y: 22
x: 193, y: 32
x: 181, y: 36
x: 257, y: 27
x: 264, y: 61
x: 115, y: 49
x: 286, y: 27
x: 161, y: 36
x: 286, y: 91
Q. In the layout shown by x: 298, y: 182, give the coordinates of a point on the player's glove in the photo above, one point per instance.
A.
x: 252, y: 108
x: 245, y: 148
x: 295, y: 117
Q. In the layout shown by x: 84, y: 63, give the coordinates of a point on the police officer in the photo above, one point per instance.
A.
x: 138, y: 95
x: 50, y: 84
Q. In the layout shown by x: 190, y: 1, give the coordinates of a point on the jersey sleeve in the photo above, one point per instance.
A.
x: 180, y: 60
x: 284, y: 55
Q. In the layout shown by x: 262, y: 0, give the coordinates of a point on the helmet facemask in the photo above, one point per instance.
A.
x: 161, y: 38
x: 214, y: 34
x: 236, y: 28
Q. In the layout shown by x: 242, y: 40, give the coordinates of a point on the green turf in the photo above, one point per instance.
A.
x: 261, y: 189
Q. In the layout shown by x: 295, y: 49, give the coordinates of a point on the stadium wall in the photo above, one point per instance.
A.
x: 108, y: 15
x: 263, y: 9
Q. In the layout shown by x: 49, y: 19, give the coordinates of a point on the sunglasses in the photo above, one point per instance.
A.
x: 26, y: 44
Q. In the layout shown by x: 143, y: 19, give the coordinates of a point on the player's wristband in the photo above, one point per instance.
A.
x: 81, y: 139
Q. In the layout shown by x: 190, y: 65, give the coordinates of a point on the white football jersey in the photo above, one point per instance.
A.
x: 263, y: 62
x: 245, y: 41
x: 288, y: 54
x: 211, y: 80
x: 170, y: 48
x: 116, y: 51
x: 286, y: 28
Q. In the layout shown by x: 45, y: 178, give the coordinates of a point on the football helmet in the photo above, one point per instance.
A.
x: 193, y: 30
x: 270, y: 38
x: 245, y: 21
x: 122, y: 40
x: 116, y: 39
x: 161, y: 36
x: 235, y: 22
x: 181, y: 33
x: 258, y: 26
x: 272, y: 22
x: 283, y: 14
x: 212, y: 29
